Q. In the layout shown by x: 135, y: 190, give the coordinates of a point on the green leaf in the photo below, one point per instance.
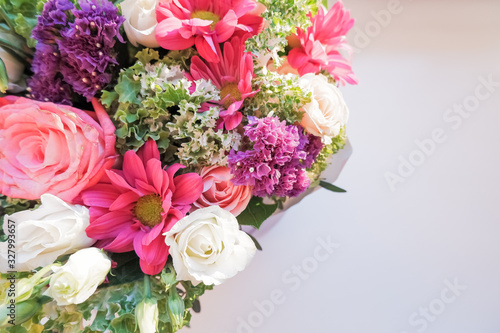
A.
x: 257, y: 245
x: 128, y: 269
x: 147, y: 55
x: 4, y: 79
x: 331, y: 187
x: 128, y: 89
x: 256, y: 213
x: 108, y: 97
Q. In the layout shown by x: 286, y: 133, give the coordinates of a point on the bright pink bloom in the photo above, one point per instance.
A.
x: 130, y: 209
x: 205, y: 23
x: 232, y: 75
x: 322, y: 43
x: 219, y: 190
x: 51, y: 148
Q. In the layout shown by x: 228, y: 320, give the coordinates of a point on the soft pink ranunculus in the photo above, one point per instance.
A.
x: 50, y: 148
x: 218, y: 190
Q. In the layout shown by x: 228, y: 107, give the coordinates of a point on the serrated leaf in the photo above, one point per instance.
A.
x: 256, y: 213
x: 147, y: 55
x: 331, y: 187
x: 108, y: 97
x: 128, y: 89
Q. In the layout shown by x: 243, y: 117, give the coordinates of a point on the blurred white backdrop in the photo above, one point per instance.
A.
x: 422, y: 254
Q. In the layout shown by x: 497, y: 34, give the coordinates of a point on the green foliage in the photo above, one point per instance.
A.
x: 280, y: 94
x: 324, y: 156
x: 20, y: 16
x: 154, y: 100
x: 256, y: 212
x: 284, y: 16
x: 331, y: 187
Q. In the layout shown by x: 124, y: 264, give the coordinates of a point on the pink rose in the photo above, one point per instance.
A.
x: 218, y: 190
x: 50, y: 148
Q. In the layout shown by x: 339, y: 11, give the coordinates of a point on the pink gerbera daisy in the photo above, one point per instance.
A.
x: 232, y: 75
x: 130, y: 209
x: 321, y: 45
x: 205, y: 23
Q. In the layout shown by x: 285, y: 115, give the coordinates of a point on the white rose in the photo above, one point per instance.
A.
x: 41, y: 235
x: 327, y: 112
x: 78, y: 279
x: 140, y: 21
x: 207, y: 246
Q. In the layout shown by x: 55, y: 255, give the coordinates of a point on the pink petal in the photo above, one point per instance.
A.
x: 188, y: 188
x: 205, y: 46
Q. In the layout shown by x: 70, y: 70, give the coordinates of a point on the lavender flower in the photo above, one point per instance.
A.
x: 276, y: 163
x: 47, y: 83
x: 54, y: 16
x: 86, y: 46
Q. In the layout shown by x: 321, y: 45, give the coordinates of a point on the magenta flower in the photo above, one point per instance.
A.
x: 130, y: 209
x: 205, y: 23
x: 322, y: 44
x: 232, y: 75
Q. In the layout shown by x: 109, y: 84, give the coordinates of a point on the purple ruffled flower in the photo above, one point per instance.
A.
x: 276, y: 163
x: 84, y: 54
x: 54, y: 16
x: 47, y: 83
x: 86, y: 46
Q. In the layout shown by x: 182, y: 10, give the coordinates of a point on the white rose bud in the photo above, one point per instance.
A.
x: 207, y: 246
x: 78, y: 279
x: 146, y: 316
x: 327, y: 112
x: 43, y: 234
x: 140, y: 21
x: 13, y: 66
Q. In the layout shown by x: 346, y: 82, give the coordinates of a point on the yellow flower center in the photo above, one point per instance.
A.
x: 234, y: 93
x: 205, y: 15
x: 148, y: 210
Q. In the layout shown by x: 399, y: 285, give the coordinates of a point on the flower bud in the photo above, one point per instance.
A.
x: 175, y: 306
x: 17, y: 313
x: 146, y: 316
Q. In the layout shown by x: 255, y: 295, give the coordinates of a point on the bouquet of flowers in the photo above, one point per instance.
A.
x: 137, y: 137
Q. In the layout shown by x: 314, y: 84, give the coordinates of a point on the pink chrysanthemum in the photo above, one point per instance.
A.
x: 232, y: 75
x: 130, y: 209
x: 322, y: 43
x: 205, y: 23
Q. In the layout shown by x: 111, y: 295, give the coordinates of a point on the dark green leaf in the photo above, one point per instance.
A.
x: 127, y: 270
x: 256, y: 213
x: 4, y: 79
x: 257, y: 245
x: 331, y: 187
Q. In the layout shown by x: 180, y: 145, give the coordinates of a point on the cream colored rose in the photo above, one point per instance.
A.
x: 43, y: 234
x: 14, y: 67
x: 207, y: 246
x: 78, y: 279
x: 327, y: 112
x: 140, y: 21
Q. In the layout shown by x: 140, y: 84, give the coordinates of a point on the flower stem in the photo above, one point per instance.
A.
x: 147, y: 286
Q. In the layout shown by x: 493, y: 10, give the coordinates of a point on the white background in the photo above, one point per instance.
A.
x: 397, y: 248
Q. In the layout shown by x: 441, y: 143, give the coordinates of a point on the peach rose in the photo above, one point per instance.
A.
x: 218, y: 190
x: 50, y: 148
x: 284, y: 69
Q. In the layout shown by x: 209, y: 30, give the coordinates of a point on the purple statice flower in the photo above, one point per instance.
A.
x: 276, y: 163
x: 54, y: 16
x: 47, y: 83
x: 86, y: 46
